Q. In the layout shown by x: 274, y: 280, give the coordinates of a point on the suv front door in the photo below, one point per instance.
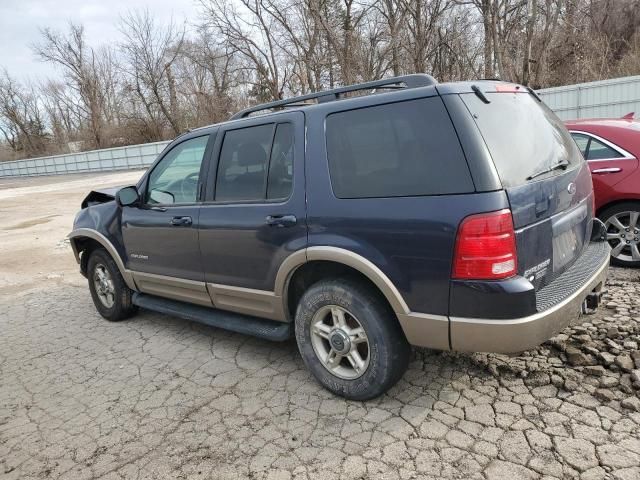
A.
x: 160, y: 235
x: 254, y: 215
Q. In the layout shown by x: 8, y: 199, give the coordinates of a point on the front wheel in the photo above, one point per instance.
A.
x: 623, y: 233
x: 110, y: 294
x: 350, y: 339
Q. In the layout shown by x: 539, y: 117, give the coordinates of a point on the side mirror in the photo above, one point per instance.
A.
x: 127, y: 196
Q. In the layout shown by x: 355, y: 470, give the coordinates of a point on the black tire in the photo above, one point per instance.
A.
x: 609, y: 213
x: 122, y: 307
x: 388, y: 350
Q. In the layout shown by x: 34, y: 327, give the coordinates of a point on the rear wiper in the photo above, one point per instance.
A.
x: 534, y: 93
x: 557, y: 166
x: 479, y: 94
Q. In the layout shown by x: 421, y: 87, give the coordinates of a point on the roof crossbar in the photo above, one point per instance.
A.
x: 410, y: 81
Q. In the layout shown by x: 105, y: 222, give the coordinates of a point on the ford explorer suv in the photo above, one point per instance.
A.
x: 361, y: 221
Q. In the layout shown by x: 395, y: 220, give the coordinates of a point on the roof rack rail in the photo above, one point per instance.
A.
x: 410, y: 81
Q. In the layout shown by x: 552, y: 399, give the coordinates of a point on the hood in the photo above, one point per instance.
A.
x: 101, y: 195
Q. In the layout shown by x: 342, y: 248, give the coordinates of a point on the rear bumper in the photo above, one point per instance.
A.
x: 519, y: 334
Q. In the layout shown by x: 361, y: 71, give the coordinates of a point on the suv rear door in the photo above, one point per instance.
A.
x: 547, y: 181
x: 254, y: 215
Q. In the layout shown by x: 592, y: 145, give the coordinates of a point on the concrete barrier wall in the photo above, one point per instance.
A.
x: 119, y: 158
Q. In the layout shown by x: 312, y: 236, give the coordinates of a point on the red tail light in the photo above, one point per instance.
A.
x: 486, y: 247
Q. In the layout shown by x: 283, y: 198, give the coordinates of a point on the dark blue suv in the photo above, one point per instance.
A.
x: 362, y: 220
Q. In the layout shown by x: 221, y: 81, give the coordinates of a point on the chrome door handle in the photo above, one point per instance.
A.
x: 181, y: 221
x: 281, y: 220
x: 607, y: 170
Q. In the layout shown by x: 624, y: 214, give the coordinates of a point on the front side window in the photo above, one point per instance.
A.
x: 256, y: 163
x: 401, y: 149
x: 175, y: 179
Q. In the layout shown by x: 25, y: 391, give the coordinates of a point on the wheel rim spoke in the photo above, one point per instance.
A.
x: 617, y: 224
x: 613, y: 236
x: 337, y: 315
x: 633, y: 219
x: 617, y: 249
x: 333, y: 359
x: 322, y: 330
x: 635, y: 252
x: 355, y: 360
x: 358, y: 335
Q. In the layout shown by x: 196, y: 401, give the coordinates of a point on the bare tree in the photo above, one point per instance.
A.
x: 251, y: 32
x: 163, y: 79
x: 150, y: 52
x: 210, y: 73
x: 80, y: 65
x: 21, y: 121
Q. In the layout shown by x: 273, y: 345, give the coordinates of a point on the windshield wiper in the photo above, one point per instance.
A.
x: 557, y: 166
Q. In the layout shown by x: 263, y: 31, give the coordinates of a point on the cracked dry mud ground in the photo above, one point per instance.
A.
x: 157, y: 397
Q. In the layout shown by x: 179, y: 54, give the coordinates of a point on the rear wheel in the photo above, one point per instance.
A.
x: 111, y: 296
x: 623, y: 233
x: 350, y: 339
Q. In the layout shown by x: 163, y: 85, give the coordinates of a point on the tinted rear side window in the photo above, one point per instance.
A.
x: 582, y: 141
x: 523, y: 135
x: 600, y: 151
x: 401, y: 149
x: 242, y: 171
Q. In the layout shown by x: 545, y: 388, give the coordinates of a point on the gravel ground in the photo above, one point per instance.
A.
x: 157, y: 397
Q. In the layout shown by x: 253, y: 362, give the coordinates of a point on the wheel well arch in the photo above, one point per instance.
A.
x: 84, y: 246
x: 314, y: 271
x: 614, y: 203
x: 85, y: 240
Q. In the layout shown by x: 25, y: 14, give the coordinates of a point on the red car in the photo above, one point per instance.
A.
x: 612, y: 148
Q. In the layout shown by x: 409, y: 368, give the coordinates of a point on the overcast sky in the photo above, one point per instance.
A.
x: 20, y: 21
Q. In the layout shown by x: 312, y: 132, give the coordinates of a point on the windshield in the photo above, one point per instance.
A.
x: 524, y: 137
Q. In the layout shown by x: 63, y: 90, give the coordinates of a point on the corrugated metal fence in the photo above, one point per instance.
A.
x: 119, y: 158
x: 607, y: 98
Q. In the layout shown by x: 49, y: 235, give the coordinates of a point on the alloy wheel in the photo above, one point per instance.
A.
x: 340, y: 342
x: 103, y: 284
x: 623, y: 234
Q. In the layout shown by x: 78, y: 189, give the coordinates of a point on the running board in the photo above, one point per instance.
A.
x: 235, y: 322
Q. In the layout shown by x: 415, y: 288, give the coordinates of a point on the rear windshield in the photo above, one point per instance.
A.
x: 401, y: 149
x: 524, y: 136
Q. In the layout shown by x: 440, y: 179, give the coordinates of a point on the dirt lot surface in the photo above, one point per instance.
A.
x: 37, y: 214
x: 157, y: 397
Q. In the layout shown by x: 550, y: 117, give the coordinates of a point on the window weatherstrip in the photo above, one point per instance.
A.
x: 268, y: 166
x: 625, y: 154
